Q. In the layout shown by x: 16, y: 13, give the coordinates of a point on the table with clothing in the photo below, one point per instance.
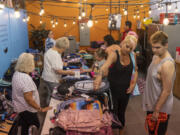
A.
x: 100, y: 55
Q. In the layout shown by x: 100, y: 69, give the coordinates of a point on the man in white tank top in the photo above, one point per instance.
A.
x: 158, y: 96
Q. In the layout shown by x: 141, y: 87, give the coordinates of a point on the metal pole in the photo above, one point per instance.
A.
x: 110, y: 13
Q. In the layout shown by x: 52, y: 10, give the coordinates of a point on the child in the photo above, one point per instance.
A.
x: 99, y: 57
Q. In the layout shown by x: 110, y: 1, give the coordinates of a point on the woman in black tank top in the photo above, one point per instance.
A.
x: 119, y: 76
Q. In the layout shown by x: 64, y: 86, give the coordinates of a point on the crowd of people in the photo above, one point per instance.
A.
x: 116, y: 63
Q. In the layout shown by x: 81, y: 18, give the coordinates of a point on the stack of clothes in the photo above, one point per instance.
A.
x: 83, y: 117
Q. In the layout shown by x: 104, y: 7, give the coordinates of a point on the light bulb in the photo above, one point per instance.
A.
x: 56, y: 23
x: 96, y: 21
x: 74, y: 22
x: 83, y: 14
x: 79, y: 17
x: 24, y: 19
x: 28, y: 18
x: 149, y: 11
x: 53, y: 25
x: 134, y: 16
x: 65, y: 25
x: 17, y: 14
x: 90, y: 23
x: 176, y: 9
x: 52, y: 21
x: 138, y: 16
x: 41, y: 12
x: 169, y: 7
x: 144, y: 19
x: 166, y: 21
x: 125, y: 12
x: 107, y: 9
x: 40, y: 22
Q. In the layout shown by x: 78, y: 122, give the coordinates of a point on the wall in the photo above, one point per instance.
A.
x: 97, y: 32
x: 13, y: 36
x: 155, y: 12
x: 173, y: 32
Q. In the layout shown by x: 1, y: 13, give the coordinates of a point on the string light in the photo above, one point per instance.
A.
x: 65, y: 25
x: 144, y: 19
x: 24, y: 19
x: 90, y: 22
x: 125, y: 12
x: 53, y: 25
x: 162, y: 7
x: 149, y: 10
x: 176, y: 9
x: 27, y: 19
x: 166, y: 20
x: 169, y: 6
x: 79, y: 17
x: 134, y: 16
x: 74, y: 22
x: 56, y: 21
x: 52, y: 21
x: 137, y: 11
x: 138, y: 16
x: 42, y: 9
x: 40, y: 21
x: 83, y: 13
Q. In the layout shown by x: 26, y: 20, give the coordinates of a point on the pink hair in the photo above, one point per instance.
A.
x: 133, y: 34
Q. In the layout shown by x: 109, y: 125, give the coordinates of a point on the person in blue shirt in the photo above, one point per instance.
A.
x: 50, y: 42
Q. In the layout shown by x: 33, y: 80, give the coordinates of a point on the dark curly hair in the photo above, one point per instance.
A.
x: 109, y: 39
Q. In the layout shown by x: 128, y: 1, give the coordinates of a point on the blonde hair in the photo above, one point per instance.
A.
x: 25, y: 63
x: 129, y: 39
x: 62, y: 43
